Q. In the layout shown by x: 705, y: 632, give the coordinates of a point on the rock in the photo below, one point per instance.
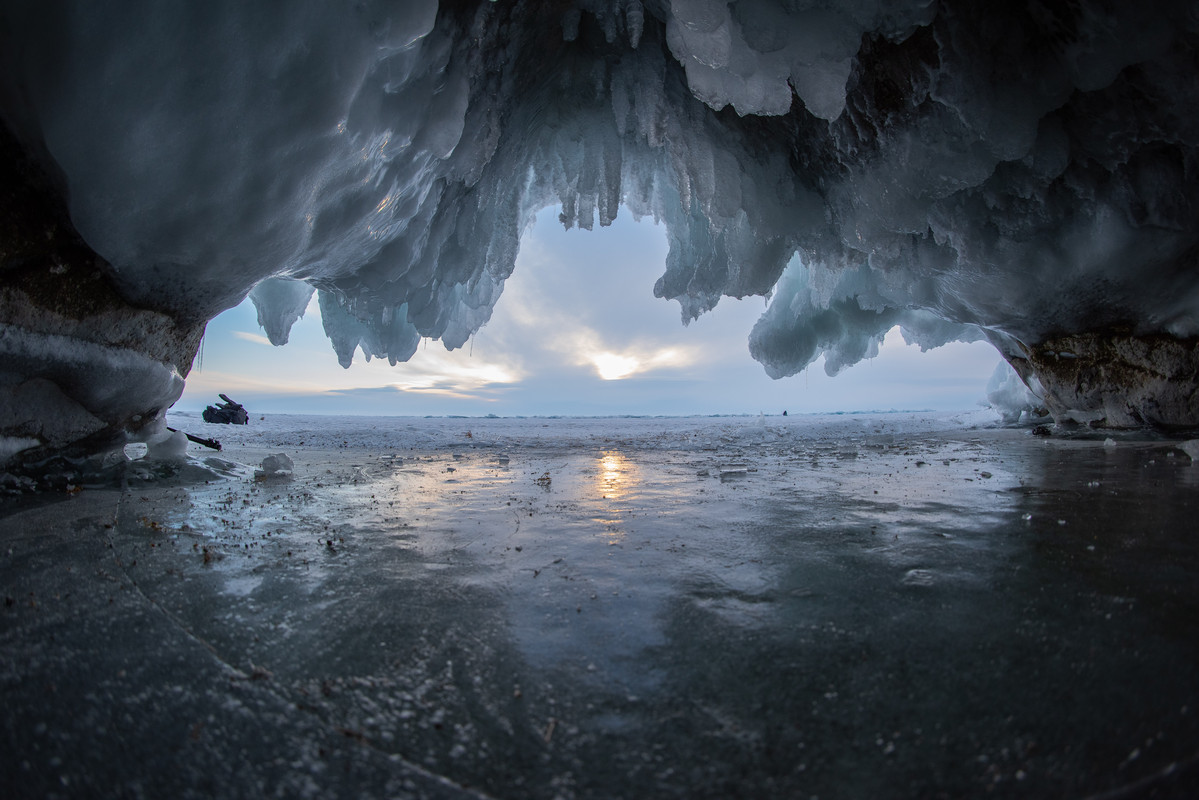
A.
x: 1117, y: 380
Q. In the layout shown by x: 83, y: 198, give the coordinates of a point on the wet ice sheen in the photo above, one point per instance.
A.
x: 839, y: 621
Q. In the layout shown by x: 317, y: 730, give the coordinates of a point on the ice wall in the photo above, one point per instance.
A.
x: 1015, y: 171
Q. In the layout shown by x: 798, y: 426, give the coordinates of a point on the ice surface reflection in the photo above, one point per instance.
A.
x: 889, y: 615
x: 617, y: 479
x: 615, y: 473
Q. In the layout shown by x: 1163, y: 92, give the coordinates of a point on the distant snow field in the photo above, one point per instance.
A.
x: 281, y: 431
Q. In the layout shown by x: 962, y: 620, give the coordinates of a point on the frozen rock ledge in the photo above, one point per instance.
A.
x: 1119, y: 380
x: 1020, y: 172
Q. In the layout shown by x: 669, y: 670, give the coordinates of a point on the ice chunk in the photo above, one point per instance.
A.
x: 74, y: 387
x: 167, y: 445
x: 1009, y: 396
x: 1191, y: 448
x: 917, y: 577
x: 733, y: 472
x: 822, y: 87
x: 805, y: 320
x: 11, y: 445
x: 634, y: 21
x: 275, y: 465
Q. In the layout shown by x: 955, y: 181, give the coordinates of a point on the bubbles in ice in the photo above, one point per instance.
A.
x: 136, y: 450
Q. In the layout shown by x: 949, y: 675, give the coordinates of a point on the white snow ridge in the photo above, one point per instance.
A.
x: 1023, y: 174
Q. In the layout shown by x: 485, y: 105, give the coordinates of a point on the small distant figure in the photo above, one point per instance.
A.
x: 227, y: 413
x: 784, y: 412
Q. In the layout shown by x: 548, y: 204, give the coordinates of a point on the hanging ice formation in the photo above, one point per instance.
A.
x: 1023, y: 172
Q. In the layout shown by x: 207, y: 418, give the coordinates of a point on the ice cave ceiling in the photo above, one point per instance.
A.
x: 1023, y: 172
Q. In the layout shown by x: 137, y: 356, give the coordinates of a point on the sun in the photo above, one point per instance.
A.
x: 613, y: 367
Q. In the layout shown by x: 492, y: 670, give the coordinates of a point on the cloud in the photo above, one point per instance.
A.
x: 577, y: 331
x: 209, y: 382
x: 441, y: 371
x: 611, y: 366
x: 256, y: 338
x: 551, y: 331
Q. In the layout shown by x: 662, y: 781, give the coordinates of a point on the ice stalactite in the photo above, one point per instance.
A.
x: 1023, y: 172
x: 280, y: 303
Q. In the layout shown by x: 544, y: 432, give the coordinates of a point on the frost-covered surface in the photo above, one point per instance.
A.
x: 1024, y: 169
x: 911, y: 612
x: 55, y: 389
x: 498, y: 435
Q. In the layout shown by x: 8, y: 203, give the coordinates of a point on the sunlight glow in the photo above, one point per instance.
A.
x: 256, y: 338
x: 569, y: 337
x: 618, y: 366
x: 614, y: 471
x: 616, y: 478
x: 433, y: 372
x: 445, y: 373
x: 613, y: 367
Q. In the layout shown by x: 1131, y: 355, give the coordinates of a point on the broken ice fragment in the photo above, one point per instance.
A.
x: 275, y: 465
x: 167, y: 445
x: 732, y: 472
x: 917, y: 577
x: 1191, y: 448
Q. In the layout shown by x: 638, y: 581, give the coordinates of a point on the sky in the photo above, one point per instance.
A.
x: 577, y: 332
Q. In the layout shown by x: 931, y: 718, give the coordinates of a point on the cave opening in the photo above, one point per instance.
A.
x: 578, y: 331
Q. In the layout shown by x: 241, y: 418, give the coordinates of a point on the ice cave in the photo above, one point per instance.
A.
x: 1023, y: 173
x: 897, y: 605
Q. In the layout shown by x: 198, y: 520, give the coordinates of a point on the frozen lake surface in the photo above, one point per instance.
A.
x: 885, y: 605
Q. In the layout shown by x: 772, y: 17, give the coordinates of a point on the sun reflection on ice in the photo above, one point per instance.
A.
x: 616, y: 478
x: 613, y: 475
